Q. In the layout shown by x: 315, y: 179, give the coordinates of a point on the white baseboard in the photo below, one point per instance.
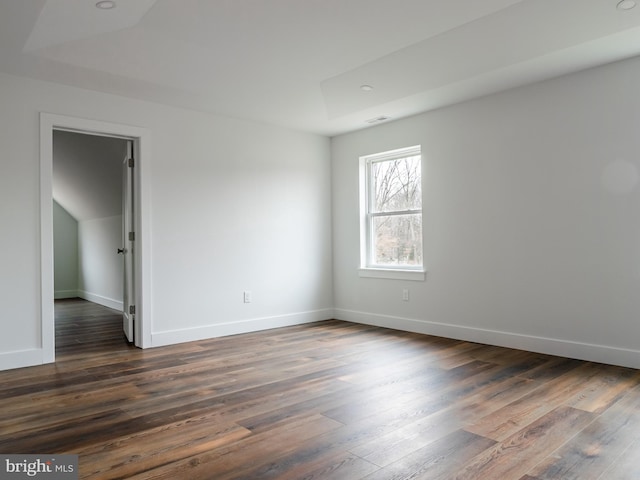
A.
x: 100, y: 300
x: 60, y: 294
x: 550, y: 346
x: 171, y: 337
x: 23, y: 358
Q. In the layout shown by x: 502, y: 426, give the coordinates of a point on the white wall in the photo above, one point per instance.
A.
x: 235, y: 206
x: 100, y: 268
x: 532, y: 219
x: 65, y: 253
x: 532, y: 216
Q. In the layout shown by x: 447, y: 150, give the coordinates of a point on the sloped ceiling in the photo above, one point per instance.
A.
x: 87, y: 174
x: 300, y: 63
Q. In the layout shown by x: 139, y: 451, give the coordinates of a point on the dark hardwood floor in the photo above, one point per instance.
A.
x: 329, y: 400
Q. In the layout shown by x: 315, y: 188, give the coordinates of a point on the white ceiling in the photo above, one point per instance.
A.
x: 300, y: 63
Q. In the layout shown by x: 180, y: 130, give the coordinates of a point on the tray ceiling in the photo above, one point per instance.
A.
x: 301, y: 63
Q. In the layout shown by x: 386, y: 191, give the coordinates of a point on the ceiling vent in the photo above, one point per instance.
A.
x: 381, y: 118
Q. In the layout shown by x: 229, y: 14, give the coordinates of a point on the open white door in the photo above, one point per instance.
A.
x: 128, y: 241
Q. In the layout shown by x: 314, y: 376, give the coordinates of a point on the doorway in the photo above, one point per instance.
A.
x: 92, y: 210
x: 140, y: 144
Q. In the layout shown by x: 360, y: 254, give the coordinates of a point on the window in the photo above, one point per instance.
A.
x: 391, y: 211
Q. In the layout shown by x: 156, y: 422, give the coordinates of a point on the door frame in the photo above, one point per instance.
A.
x: 128, y: 250
x: 142, y: 277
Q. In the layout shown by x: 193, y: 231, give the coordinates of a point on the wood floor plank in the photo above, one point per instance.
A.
x: 120, y: 457
x: 626, y: 466
x: 554, y: 368
x: 386, y: 449
x: 331, y: 464
x: 67, y: 436
x: 611, y: 384
x: 437, y: 460
x: 236, y: 459
x: 69, y: 405
x: 542, y: 400
x: 326, y: 400
x: 517, y: 454
x: 339, y: 467
x: 593, y: 450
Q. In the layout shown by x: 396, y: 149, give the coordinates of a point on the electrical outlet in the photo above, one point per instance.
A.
x: 405, y: 294
x: 247, y: 296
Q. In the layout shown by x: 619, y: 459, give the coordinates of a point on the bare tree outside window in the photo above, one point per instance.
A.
x: 394, y: 217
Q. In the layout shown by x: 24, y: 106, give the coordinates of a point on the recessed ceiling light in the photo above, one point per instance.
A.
x: 366, y: 88
x: 626, y: 4
x: 106, y: 5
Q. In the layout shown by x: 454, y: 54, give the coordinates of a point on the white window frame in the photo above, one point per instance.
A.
x: 367, y: 267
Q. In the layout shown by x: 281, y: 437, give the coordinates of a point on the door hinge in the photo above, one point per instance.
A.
x: 132, y: 236
x: 131, y: 162
x: 132, y: 309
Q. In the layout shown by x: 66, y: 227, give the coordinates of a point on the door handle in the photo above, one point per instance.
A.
x: 121, y: 250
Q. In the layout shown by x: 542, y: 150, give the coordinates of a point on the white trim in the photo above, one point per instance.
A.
x: 411, y: 151
x: 61, y: 294
x: 23, y: 358
x: 48, y: 338
x: 367, y: 215
x: 390, y: 273
x: 48, y: 123
x: 171, y: 337
x: 100, y: 300
x: 550, y: 346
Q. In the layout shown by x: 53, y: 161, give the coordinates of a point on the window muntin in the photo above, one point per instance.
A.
x: 392, y: 221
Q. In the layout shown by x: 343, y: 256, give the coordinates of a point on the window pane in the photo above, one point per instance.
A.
x: 396, y: 184
x: 397, y: 240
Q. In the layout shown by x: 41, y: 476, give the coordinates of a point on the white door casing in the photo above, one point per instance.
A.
x: 141, y: 263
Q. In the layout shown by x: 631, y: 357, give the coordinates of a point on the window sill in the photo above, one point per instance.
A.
x: 393, y: 274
